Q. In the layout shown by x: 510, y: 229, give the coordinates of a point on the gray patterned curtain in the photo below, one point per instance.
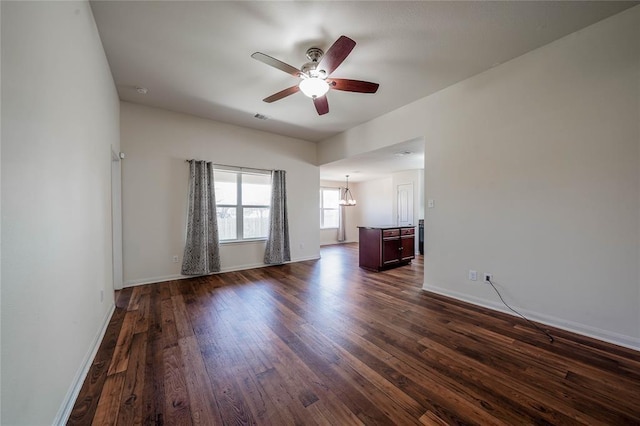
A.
x: 342, y: 222
x: 277, y: 250
x: 201, y: 251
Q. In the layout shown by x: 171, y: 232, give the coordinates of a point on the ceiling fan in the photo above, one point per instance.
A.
x: 315, y: 75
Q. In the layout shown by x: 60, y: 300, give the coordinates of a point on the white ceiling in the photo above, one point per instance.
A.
x: 377, y: 164
x: 195, y: 57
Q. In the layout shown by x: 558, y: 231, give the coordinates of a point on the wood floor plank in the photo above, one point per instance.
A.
x: 177, y: 409
x: 109, y: 402
x: 131, y: 404
x: 120, y: 359
x: 325, y: 342
x: 181, y: 317
x: 142, y: 317
x: 261, y: 404
x: 136, y: 294
x: 168, y: 327
x: 203, y: 406
x: 153, y: 391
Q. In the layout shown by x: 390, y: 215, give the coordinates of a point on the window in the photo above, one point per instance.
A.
x: 329, y: 217
x: 242, y: 204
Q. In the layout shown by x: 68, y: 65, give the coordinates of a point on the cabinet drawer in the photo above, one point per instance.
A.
x: 390, y: 232
x: 408, y: 231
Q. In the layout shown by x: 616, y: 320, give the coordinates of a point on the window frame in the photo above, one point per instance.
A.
x: 239, y: 207
x: 322, y: 208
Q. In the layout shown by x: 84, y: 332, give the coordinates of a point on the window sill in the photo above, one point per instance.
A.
x: 327, y: 229
x: 232, y: 242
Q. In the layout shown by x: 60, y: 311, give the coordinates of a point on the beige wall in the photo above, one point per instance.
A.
x: 375, y: 201
x: 534, y: 168
x: 155, y: 180
x: 59, y: 122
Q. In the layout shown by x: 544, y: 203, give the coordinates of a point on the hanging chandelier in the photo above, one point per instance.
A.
x: 347, y: 199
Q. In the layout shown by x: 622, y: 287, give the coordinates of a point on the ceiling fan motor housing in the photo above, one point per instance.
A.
x: 310, y: 68
x: 314, y: 54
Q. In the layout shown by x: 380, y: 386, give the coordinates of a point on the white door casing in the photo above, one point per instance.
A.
x: 116, y: 219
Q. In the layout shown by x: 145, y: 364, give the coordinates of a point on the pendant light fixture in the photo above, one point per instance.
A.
x: 347, y: 199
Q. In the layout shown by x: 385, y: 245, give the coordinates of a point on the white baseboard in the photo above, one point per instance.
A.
x: 72, y: 394
x: 304, y: 259
x: 333, y: 243
x: 154, y: 280
x: 574, y: 327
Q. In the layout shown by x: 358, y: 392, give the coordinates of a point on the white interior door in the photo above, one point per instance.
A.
x: 405, y: 204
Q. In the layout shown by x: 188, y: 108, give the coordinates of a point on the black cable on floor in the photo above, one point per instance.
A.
x: 523, y: 317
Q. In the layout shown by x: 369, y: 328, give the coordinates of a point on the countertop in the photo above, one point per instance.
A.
x: 387, y: 226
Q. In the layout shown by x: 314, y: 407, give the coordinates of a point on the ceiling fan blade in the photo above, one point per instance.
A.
x: 336, y: 54
x: 282, y: 94
x: 276, y: 64
x: 322, y: 105
x: 353, y: 85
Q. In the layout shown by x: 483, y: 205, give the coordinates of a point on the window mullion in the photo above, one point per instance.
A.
x: 239, y: 209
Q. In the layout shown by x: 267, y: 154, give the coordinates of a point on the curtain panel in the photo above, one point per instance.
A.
x: 277, y: 248
x: 342, y: 220
x: 202, y: 250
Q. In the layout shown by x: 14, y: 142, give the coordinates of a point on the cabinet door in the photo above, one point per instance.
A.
x: 408, y: 250
x: 390, y: 251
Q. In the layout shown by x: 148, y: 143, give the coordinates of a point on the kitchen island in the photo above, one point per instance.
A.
x: 383, y: 247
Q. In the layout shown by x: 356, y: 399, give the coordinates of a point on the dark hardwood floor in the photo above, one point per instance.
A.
x: 325, y: 342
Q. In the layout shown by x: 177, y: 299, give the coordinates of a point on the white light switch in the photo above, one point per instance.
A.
x: 431, y: 204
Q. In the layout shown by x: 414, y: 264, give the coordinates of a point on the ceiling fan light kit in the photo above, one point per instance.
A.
x: 315, y: 75
x: 314, y: 87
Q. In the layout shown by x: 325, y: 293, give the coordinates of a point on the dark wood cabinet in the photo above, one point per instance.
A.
x: 383, y: 247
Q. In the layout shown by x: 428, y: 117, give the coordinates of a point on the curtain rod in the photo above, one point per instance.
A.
x: 234, y: 167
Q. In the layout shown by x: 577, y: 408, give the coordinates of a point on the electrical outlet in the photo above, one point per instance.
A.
x: 488, y: 277
x: 473, y: 275
x: 175, y: 259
